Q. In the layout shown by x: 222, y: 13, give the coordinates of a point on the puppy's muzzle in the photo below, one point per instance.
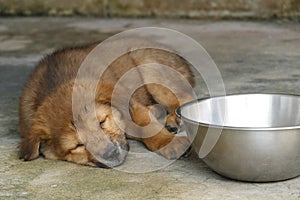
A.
x: 115, y: 154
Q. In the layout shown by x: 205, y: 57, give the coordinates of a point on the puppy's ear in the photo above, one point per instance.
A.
x: 29, y: 148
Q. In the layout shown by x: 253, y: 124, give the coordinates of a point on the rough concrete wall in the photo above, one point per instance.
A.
x: 52, y: 7
x: 155, y: 8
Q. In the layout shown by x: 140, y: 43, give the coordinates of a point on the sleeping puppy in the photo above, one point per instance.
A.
x: 49, y: 128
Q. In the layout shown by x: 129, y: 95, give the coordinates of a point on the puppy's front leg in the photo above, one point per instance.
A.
x: 163, y: 142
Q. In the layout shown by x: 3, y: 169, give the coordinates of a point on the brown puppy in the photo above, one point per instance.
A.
x: 46, y: 116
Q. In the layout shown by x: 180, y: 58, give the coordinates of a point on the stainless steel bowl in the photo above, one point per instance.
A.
x: 248, y: 137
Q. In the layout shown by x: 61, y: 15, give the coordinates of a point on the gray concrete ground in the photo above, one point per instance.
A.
x: 251, y: 56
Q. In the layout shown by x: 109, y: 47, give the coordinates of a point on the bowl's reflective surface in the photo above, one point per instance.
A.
x: 258, y: 135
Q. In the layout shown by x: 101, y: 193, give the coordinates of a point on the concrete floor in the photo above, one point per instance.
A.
x: 251, y: 57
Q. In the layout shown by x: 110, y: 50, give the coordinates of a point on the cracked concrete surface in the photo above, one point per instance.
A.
x: 251, y: 57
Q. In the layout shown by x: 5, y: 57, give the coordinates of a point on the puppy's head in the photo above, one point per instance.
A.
x: 100, y: 131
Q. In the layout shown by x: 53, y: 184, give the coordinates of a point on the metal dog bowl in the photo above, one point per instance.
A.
x: 248, y: 137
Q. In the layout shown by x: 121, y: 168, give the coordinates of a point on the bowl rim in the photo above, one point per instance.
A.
x: 279, y: 128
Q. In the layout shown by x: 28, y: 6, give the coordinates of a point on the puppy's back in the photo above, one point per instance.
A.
x: 54, y: 70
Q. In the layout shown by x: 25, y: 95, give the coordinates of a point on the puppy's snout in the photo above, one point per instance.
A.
x: 125, y: 147
x: 115, y: 154
x: 112, y: 152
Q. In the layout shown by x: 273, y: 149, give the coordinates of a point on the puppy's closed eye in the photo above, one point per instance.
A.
x: 73, y: 124
x: 101, y: 123
x: 78, y: 146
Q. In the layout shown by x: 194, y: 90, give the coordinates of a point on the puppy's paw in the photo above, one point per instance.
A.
x: 172, y: 123
x: 176, y: 148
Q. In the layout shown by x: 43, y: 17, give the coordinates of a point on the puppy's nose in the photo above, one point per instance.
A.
x: 112, y: 152
x: 125, y: 146
x: 114, y: 155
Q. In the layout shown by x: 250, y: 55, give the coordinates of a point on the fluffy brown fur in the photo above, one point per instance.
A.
x: 49, y: 128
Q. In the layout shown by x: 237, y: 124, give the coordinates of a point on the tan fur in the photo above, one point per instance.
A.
x: 46, y: 118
